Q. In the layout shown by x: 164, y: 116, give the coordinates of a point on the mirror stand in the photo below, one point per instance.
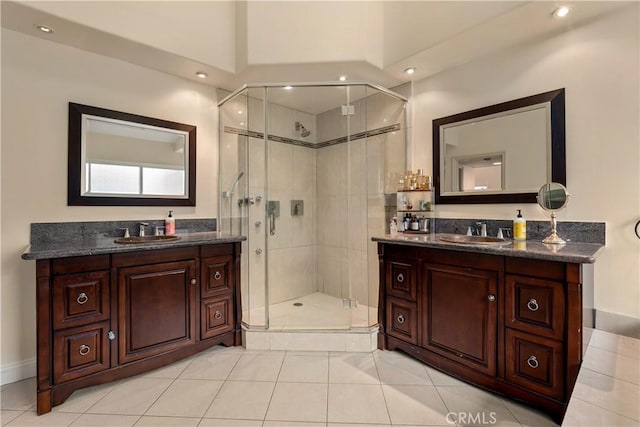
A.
x: 553, y: 238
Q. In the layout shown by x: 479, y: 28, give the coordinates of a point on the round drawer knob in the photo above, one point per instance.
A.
x: 400, y: 319
x: 217, y: 276
x: 533, y: 305
x: 532, y: 361
x: 84, y: 350
x: 217, y: 315
x: 400, y: 277
x: 194, y: 281
x: 491, y: 298
x: 82, y: 298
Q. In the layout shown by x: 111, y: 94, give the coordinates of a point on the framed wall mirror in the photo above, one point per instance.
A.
x: 122, y: 159
x: 501, y: 153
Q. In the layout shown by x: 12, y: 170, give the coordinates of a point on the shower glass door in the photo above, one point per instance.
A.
x: 307, y: 208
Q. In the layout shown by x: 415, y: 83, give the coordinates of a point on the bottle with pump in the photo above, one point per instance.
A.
x: 519, y: 227
x: 170, y: 224
x: 393, y: 227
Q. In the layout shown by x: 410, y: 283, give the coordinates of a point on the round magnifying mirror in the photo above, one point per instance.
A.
x: 553, y: 197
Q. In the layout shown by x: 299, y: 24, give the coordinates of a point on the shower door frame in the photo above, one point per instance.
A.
x: 265, y: 194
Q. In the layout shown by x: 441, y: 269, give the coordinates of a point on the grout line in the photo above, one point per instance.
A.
x: 224, y: 382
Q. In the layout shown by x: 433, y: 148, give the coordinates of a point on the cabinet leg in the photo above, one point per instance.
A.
x: 43, y: 401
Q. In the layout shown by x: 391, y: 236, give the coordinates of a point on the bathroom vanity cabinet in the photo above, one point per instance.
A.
x: 508, y: 324
x: 109, y: 316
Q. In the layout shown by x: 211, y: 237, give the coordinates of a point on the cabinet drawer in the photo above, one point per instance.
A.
x: 80, y: 299
x: 401, y: 279
x: 535, y: 305
x: 216, y: 276
x: 535, y: 363
x: 216, y: 316
x: 80, y: 351
x: 402, y: 320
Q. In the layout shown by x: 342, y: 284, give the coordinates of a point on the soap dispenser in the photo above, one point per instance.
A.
x: 520, y: 227
x: 170, y: 224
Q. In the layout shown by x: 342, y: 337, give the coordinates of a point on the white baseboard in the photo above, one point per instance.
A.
x: 617, y: 324
x: 17, y: 371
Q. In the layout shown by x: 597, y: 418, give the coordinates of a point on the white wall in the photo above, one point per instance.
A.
x: 39, y: 78
x: 598, y: 66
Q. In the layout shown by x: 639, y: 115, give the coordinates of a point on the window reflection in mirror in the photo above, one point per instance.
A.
x: 118, y: 158
x: 500, y: 153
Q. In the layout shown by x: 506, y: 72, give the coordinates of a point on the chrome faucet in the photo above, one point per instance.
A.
x: 480, y: 229
x: 142, y: 226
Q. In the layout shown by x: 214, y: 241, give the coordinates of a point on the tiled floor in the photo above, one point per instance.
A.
x: 237, y: 387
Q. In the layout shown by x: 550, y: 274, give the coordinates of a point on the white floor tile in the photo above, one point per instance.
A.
x: 52, y: 419
x: 171, y: 371
x: 214, y: 365
x: 112, y: 420
x: 439, y: 378
x: 6, y: 415
x: 132, y: 397
x: 167, y: 421
x: 609, y: 393
x: 257, y: 367
x: 81, y: 400
x: 414, y: 404
x: 292, y: 424
x: 247, y: 400
x: 528, y: 416
x: 298, y: 402
x: 613, y: 364
x: 305, y: 368
x: 221, y: 422
x: 352, y: 368
x: 581, y: 413
x: 397, y: 368
x: 357, y: 425
x: 18, y: 396
x: 186, y: 398
x: 357, y: 403
x: 472, y: 406
x: 620, y: 344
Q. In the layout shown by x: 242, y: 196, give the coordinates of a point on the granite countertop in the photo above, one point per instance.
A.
x: 582, y: 253
x: 101, y: 244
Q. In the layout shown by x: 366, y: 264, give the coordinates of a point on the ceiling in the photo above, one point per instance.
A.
x: 238, y: 42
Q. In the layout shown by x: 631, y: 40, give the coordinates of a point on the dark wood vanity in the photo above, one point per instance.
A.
x: 108, y: 316
x: 509, y: 324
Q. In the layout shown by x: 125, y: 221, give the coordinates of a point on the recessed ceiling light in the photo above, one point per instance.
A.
x: 410, y: 70
x: 239, y: 111
x: 496, y: 163
x: 45, y: 29
x: 561, y: 12
x: 288, y: 87
x: 202, y: 74
x: 342, y: 78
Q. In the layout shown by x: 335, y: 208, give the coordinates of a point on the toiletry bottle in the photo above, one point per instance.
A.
x: 170, y: 224
x: 393, y: 227
x: 520, y: 227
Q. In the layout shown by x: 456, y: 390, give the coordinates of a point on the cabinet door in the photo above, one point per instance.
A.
x: 401, y: 279
x: 80, y: 351
x: 216, y: 316
x: 80, y: 299
x: 460, y: 315
x: 535, y: 305
x: 217, y: 276
x: 156, y: 309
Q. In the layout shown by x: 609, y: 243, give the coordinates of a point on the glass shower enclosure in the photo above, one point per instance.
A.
x: 307, y: 173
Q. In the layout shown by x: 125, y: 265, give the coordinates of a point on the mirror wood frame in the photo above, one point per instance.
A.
x: 557, y: 149
x: 75, y: 169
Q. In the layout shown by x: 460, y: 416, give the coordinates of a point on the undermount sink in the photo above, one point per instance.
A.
x: 473, y: 240
x: 146, y: 239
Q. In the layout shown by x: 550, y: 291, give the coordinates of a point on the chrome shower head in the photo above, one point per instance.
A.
x: 304, y: 132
